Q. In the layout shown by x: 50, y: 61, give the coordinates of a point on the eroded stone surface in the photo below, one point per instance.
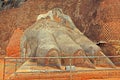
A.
x: 13, y: 48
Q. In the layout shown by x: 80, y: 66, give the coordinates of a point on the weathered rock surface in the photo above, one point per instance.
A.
x: 13, y: 48
x: 98, y: 19
x: 25, y: 15
x: 111, y: 49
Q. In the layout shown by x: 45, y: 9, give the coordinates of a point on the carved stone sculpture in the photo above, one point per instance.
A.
x: 55, y: 35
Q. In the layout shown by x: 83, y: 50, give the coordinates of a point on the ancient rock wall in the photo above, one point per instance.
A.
x: 13, y: 48
x: 110, y: 19
x: 26, y: 15
x: 88, y: 16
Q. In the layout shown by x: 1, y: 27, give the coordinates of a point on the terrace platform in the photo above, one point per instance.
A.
x: 30, y: 70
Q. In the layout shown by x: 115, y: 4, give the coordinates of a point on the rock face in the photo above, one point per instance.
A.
x: 79, y: 10
x: 92, y: 17
x: 110, y: 19
x: 111, y: 48
x: 49, y: 37
x: 13, y: 48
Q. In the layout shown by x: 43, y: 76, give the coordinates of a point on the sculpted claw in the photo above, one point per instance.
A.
x: 59, y: 37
